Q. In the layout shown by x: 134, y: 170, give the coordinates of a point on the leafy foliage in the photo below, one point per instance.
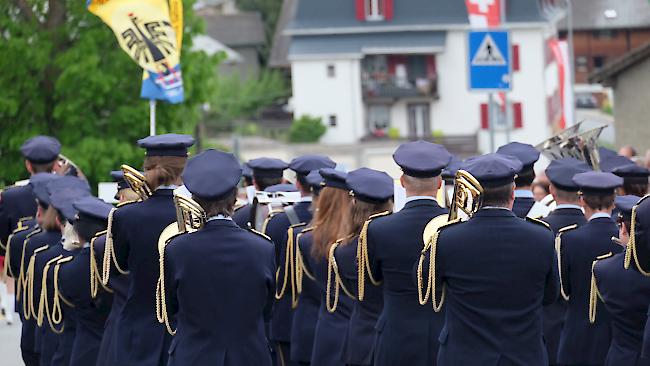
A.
x: 270, y: 11
x: 65, y: 75
x: 306, y: 129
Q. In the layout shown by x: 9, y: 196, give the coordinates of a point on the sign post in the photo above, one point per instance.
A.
x: 489, y: 69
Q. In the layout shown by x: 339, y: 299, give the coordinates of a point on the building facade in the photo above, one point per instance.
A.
x: 375, y: 68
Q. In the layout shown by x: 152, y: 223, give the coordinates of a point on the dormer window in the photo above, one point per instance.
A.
x: 374, y: 10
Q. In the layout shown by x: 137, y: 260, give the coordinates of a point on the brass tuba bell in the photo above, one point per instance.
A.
x: 579, y: 141
x: 136, y: 181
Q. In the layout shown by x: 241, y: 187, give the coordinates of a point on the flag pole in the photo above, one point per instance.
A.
x: 152, y: 117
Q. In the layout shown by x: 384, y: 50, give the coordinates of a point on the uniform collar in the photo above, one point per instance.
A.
x: 306, y: 199
x: 568, y: 205
x: 524, y: 193
x: 414, y: 198
x: 219, y: 217
x: 599, y: 215
x: 494, y: 212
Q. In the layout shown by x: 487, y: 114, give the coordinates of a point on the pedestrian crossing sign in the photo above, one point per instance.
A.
x: 489, y: 60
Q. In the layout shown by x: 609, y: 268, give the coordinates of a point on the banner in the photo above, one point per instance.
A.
x: 144, y: 31
x: 560, y: 51
x: 484, y: 13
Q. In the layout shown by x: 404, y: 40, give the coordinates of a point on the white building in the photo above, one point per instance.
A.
x: 371, y: 68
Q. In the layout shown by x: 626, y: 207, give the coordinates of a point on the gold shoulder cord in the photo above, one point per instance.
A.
x: 631, y: 249
x: 268, y: 218
x: 22, y: 280
x: 95, y: 276
x: 301, y: 269
x: 7, y: 272
x: 161, y: 301
x: 594, y: 294
x: 558, y: 252
x: 363, y: 262
x: 109, y: 252
x: 43, y: 304
x: 57, y: 312
x: 28, y: 290
x: 333, y: 270
x: 19, y: 227
x: 289, y: 268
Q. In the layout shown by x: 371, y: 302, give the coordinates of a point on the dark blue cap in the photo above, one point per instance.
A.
x: 246, y: 171
x: 421, y: 159
x: 597, y: 182
x: 334, y: 178
x: 118, y: 177
x: 493, y: 170
x: 612, y: 162
x: 92, y: 207
x: 450, y: 170
x: 606, y: 153
x: 212, y: 174
x: 267, y: 167
x: 39, y: 182
x: 306, y: 163
x: 561, y: 171
x: 170, y: 144
x: 632, y: 171
x: 624, y: 205
x: 281, y: 188
x: 370, y: 185
x: 41, y: 149
x: 315, y: 180
x: 527, y: 154
x: 63, y: 199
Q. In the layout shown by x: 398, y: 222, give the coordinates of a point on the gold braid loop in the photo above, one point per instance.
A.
x: 333, y: 271
x: 423, y: 299
x: 109, y: 252
x: 28, y: 291
x: 301, y: 269
x: 95, y: 276
x: 289, y: 270
x: 594, y: 294
x: 44, y: 307
x: 631, y: 249
x: 57, y: 310
x: 558, y: 252
x: 161, y: 301
x: 22, y: 281
x: 363, y: 262
x: 437, y: 306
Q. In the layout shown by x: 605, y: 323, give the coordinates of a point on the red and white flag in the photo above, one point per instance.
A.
x: 484, y: 13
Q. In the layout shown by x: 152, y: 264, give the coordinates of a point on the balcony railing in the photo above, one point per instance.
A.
x: 396, y: 87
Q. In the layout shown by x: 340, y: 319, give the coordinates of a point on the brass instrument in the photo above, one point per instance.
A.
x: 72, y: 168
x: 136, y: 181
x: 578, y: 141
x: 190, y: 217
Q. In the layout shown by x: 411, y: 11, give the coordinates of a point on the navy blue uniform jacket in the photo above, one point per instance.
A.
x: 220, y: 287
x: 15, y: 203
x: 553, y: 315
x: 394, y: 245
x: 331, y: 328
x: 498, y: 271
x: 522, y: 206
x: 142, y: 341
x: 362, y: 332
x: 277, y: 229
x: 626, y: 294
x: 582, y: 342
x: 242, y: 216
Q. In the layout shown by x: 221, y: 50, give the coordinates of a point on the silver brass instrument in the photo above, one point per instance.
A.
x: 266, y: 204
x: 136, y: 181
x: 190, y: 217
x: 578, y: 141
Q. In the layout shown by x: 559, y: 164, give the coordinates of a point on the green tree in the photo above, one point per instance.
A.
x: 306, y: 129
x: 65, y: 75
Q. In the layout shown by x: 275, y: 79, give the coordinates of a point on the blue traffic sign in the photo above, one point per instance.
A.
x: 489, y: 60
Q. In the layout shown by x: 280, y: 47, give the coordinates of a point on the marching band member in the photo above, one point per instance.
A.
x: 567, y: 212
x: 496, y: 271
x: 295, y: 216
x: 635, y: 179
x: 624, y: 293
x: 135, y: 230
x: 394, y: 244
x: 525, y: 205
x: 328, y: 226
x: 219, y: 280
x: 581, y: 342
x: 372, y: 193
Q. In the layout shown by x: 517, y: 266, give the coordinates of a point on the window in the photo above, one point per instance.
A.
x: 378, y: 119
x: 599, y: 61
x: 605, y: 33
x: 374, y: 10
x: 581, y: 63
x: 331, y: 71
x: 332, y: 120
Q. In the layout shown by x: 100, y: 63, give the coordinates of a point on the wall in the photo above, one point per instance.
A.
x: 316, y: 94
x: 632, y: 107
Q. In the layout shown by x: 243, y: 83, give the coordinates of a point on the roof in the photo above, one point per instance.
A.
x: 313, y: 15
x: 211, y: 47
x: 243, y: 29
x: 608, y: 74
x: 590, y: 14
x: 280, y: 48
x: 368, y: 43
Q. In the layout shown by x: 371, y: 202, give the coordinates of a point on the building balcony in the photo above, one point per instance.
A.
x: 397, y: 88
x: 390, y: 77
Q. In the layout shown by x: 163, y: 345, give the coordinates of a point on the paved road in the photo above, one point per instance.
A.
x: 10, y: 344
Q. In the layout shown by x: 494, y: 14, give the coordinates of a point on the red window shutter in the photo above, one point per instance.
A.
x: 515, y: 57
x: 360, y: 9
x: 388, y: 9
x: 431, y: 66
x: 484, y: 116
x: 517, y: 115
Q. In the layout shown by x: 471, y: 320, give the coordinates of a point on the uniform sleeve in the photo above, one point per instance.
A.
x: 270, y: 284
x: 374, y: 261
x: 346, y: 260
x: 552, y: 287
x: 121, y: 245
x: 171, y: 284
x: 564, y: 265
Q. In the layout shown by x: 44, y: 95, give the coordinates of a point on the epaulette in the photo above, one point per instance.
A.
x: 240, y: 204
x: 380, y: 214
x: 99, y: 233
x: 121, y: 204
x: 449, y: 223
x: 540, y: 222
x: 604, y: 256
x: 594, y: 294
x: 22, y: 220
x: 21, y: 183
x: 567, y: 228
x: 298, y: 225
x: 261, y: 234
x: 308, y: 229
x: 19, y: 229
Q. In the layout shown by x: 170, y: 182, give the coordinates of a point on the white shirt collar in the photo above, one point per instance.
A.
x: 219, y: 217
x: 306, y: 199
x: 86, y: 245
x: 494, y: 208
x: 169, y: 186
x: 523, y: 193
x: 567, y: 205
x: 598, y: 215
x: 414, y: 198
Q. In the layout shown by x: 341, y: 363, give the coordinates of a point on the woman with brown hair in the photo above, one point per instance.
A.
x: 134, y: 230
x: 314, y: 244
x: 373, y: 194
